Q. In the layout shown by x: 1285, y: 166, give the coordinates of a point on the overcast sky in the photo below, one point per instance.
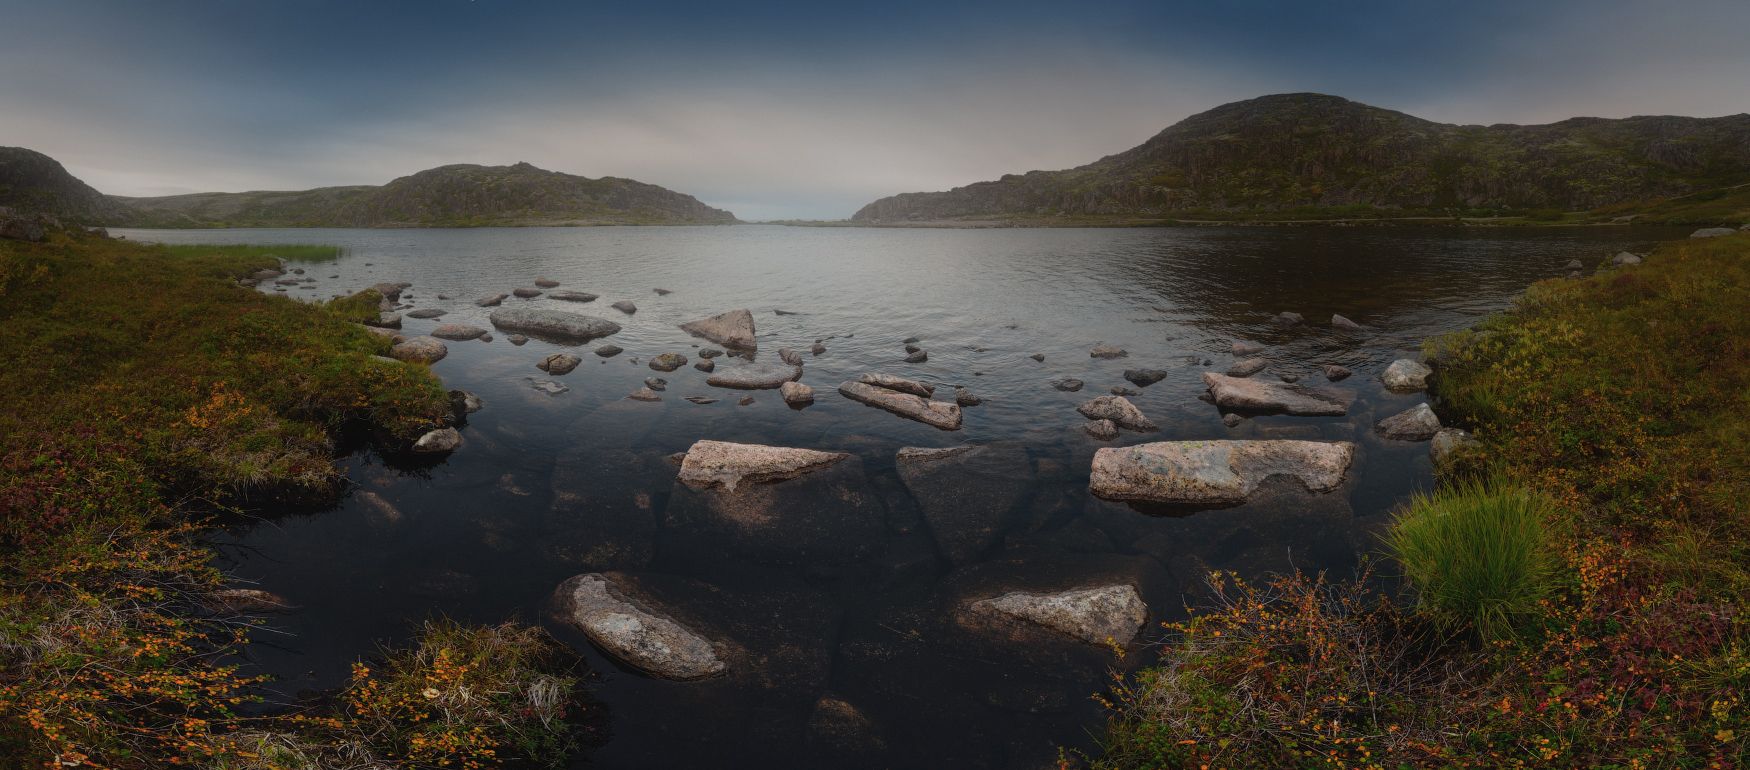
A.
x: 781, y: 110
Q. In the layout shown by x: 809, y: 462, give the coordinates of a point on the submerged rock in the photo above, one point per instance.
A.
x: 817, y: 349
x: 637, y: 635
x: 918, y: 357
x: 1068, y: 384
x: 1404, y: 376
x: 517, y: 339
x: 1098, y: 615
x: 1289, y: 319
x: 1143, y: 378
x: 969, y: 495
x: 548, y: 387
x: 733, y: 329
x: 464, y: 402
x: 609, y: 351
x: 1418, y: 423
x: 705, y: 365
x: 644, y: 394
x: 425, y: 350
x: 965, y: 397
x: 790, y: 356
x: 572, y: 296
x: 1334, y: 372
x: 728, y: 464
x: 1345, y: 324
x: 1104, y: 350
x: 668, y: 362
x: 1104, y: 430
x: 625, y: 306
x: 555, y: 324
x: 491, y: 301
x: 1214, y: 472
x: 662, y: 292
x: 1040, y: 357
x: 559, y: 363
x: 526, y: 293
x: 1247, y: 367
x: 656, y: 383
x: 935, y: 413
x: 1235, y: 393
x: 900, y: 384
x: 430, y: 312
x: 1241, y: 349
x: 795, y: 393
x: 440, y: 440
x: 457, y: 332
x: 755, y: 375
x: 1119, y: 410
x: 546, y: 283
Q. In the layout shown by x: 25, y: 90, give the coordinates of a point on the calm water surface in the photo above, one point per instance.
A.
x: 854, y: 596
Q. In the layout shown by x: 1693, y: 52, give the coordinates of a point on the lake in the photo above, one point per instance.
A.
x: 843, y: 604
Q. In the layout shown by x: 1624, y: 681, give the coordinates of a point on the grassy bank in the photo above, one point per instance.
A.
x: 1576, y: 589
x: 142, y: 390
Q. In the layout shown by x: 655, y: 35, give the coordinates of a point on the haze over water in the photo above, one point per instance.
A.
x: 857, y: 602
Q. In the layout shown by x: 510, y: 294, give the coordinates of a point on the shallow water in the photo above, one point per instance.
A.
x: 852, y: 594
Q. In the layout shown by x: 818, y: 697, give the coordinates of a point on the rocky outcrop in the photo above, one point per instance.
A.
x: 1119, y: 410
x: 935, y: 413
x: 727, y: 464
x: 639, y: 636
x: 1405, y: 376
x: 755, y: 375
x: 424, y: 350
x: 1100, y: 615
x: 1214, y: 472
x: 552, y: 324
x: 1417, y: 423
x: 1247, y: 395
x: 732, y: 329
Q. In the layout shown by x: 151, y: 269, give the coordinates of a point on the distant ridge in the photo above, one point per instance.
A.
x: 1310, y: 153
x: 34, y: 183
x: 462, y: 195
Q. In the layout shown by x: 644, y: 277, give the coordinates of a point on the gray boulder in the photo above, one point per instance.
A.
x: 755, y: 375
x: 552, y: 324
x: 609, y: 350
x: 1405, y: 376
x: 1119, y: 410
x: 1712, y: 232
x: 546, y: 283
x: 1418, y: 423
x: 1289, y: 319
x: 668, y: 362
x: 437, y: 441
x: 1104, y: 350
x: 934, y: 413
x: 1334, y: 372
x: 625, y: 306
x: 1625, y: 258
x: 1345, y: 324
x: 1099, y: 615
x: 1235, y: 393
x: 795, y: 393
x: 900, y: 384
x: 492, y: 301
x: 430, y: 312
x: 644, y: 394
x: 1068, y: 384
x: 1215, y: 472
x: 385, y: 320
x: 1104, y: 430
x: 790, y: 356
x: 425, y: 350
x: 1447, y: 441
x: 1143, y: 378
x: 917, y: 357
x: 639, y: 636
x: 966, y: 397
x: 733, y: 329
x: 559, y: 363
x: 572, y: 296
x: 526, y: 292
x: 465, y: 403
x: 726, y: 464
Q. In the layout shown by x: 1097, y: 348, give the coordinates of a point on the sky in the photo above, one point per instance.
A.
x: 804, y: 110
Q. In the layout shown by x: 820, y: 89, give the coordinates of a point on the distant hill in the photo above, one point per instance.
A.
x: 461, y: 195
x: 32, y: 182
x: 1311, y: 155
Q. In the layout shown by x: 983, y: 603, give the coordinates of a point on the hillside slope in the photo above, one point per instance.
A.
x: 32, y: 182
x: 448, y: 196
x: 1311, y: 153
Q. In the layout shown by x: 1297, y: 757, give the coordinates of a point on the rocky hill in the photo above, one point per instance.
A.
x: 1310, y: 155
x: 461, y: 195
x: 34, y: 183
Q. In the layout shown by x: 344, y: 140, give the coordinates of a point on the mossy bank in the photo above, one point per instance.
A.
x: 145, y: 390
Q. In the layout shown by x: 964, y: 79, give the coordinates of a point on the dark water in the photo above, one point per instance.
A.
x: 854, y: 597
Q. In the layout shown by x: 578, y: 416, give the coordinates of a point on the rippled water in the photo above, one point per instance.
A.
x: 854, y: 597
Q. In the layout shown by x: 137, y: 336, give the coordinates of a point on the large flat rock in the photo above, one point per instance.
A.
x: 637, y: 636
x: 732, y: 329
x: 755, y: 375
x: 939, y: 414
x: 1247, y: 395
x: 728, y: 464
x: 1214, y: 472
x: 552, y: 324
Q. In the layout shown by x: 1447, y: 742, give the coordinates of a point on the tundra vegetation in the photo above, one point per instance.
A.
x: 143, y: 393
x: 1573, y: 592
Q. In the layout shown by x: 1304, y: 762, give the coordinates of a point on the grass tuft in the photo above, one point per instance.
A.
x: 1478, y: 556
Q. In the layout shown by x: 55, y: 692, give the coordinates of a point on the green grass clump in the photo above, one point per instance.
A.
x: 1478, y: 555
